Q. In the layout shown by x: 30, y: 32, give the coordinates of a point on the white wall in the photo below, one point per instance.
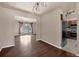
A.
x: 9, y: 26
x: 38, y: 29
x: 51, y: 27
x: 6, y: 28
x: 51, y: 24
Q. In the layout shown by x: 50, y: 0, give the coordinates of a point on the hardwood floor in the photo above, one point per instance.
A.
x: 26, y: 47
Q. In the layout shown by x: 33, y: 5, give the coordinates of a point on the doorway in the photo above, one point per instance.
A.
x: 69, y: 32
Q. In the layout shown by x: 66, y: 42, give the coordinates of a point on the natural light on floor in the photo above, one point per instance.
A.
x: 25, y: 39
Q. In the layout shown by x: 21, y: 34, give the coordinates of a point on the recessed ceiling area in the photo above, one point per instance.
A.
x: 28, y: 6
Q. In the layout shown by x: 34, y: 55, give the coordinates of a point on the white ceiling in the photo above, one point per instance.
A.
x: 28, y: 6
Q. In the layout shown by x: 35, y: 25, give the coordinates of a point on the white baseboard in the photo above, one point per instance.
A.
x: 52, y: 44
x: 77, y: 54
x: 38, y: 39
x: 0, y: 49
x: 58, y: 47
x: 8, y: 46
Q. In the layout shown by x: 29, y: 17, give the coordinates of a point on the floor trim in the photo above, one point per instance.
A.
x: 57, y: 47
x: 38, y: 39
x: 0, y: 49
x: 52, y: 44
x: 7, y: 46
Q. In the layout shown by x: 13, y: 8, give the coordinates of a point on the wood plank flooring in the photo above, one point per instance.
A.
x: 32, y: 48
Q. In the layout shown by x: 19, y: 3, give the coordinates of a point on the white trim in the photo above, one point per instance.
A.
x: 8, y: 46
x: 38, y: 39
x: 51, y: 44
x: 59, y: 47
x: 0, y: 49
x: 77, y: 54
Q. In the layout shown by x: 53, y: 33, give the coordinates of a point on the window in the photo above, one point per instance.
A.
x: 26, y: 28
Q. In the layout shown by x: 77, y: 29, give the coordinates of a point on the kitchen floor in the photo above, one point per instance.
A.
x: 71, y: 46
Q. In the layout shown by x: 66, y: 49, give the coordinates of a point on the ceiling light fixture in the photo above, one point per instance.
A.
x: 37, y: 5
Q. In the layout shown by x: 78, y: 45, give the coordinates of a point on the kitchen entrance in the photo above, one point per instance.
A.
x: 69, y: 31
